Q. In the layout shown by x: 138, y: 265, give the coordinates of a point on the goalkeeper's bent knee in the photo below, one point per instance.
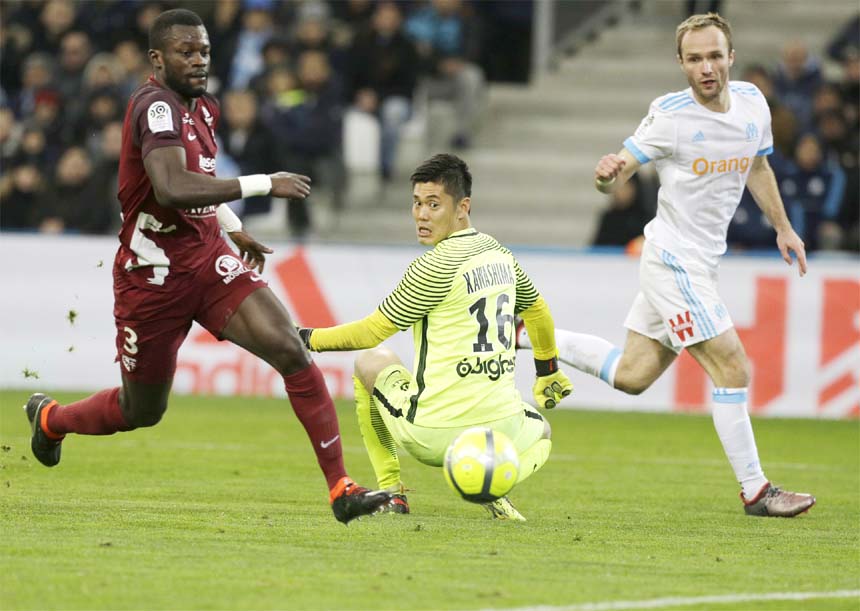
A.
x: 534, y: 458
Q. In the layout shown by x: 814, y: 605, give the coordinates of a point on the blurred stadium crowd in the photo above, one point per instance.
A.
x: 285, y: 73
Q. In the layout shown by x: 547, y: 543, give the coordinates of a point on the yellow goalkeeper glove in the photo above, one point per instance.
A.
x: 552, y: 385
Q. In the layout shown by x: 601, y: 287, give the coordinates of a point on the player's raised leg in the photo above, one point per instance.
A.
x: 631, y: 370
x: 724, y: 360
x: 262, y: 326
x: 380, y: 445
x: 141, y: 402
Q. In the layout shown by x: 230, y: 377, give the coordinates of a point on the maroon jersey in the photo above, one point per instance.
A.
x: 161, y: 246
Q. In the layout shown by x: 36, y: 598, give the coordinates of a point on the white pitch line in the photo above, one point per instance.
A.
x: 683, y: 601
x: 705, y: 462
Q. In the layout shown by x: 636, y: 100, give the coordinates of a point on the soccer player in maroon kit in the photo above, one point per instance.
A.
x: 173, y: 267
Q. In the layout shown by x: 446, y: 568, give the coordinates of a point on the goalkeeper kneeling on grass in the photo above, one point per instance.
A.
x: 460, y: 299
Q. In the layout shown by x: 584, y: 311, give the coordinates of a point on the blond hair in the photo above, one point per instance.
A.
x: 697, y: 22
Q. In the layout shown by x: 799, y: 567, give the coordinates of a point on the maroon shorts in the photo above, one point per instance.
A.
x: 152, y: 324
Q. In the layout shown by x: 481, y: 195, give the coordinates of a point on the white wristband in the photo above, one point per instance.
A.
x: 255, y: 184
x: 227, y: 219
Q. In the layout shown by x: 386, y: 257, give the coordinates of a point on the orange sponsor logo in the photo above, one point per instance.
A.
x: 702, y: 166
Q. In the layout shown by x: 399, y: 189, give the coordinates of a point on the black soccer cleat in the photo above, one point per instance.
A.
x: 397, y: 504
x: 350, y: 501
x: 45, y: 449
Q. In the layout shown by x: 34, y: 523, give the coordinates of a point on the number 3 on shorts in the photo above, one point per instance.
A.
x: 130, y: 345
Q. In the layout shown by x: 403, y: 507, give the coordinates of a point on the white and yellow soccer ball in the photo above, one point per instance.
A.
x: 481, y: 465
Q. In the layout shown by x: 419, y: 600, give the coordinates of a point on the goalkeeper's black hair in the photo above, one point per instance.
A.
x: 160, y: 28
x: 448, y: 170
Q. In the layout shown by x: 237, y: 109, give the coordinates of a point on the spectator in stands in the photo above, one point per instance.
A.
x: 847, y: 42
x: 308, y: 125
x: 78, y: 199
x: 106, y: 161
x: 842, y: 146
x: 814, y: 193
x: 47, y: 117
x: 55, y: 19
x: 448, y: 43
x: 276, y: 55
x: 223, y: 24
x: 135, y: 68
x: 257, y: 28
x: 17, y: 43
x: 248, y: 142
x: 506, y: 39
x: 384, y: 72
x: 37, y: 73
x: 624, y: 219
x: 19, y: 197
x: 75, y: 51
x: 797, y: 78
x: 849, y: 87
x: 102, y: 107
x: 10, y: 137
x: 352, y: 16
x: 313, y: 33
x: 33, y: 149
x: 146, y: 14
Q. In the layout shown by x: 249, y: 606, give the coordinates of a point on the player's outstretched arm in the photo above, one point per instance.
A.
x: 362, y: 334
x: 613, y: 170
x: 176, y: 187
x: 762, y: 184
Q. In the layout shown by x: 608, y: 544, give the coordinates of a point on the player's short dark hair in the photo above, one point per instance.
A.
x: 448, y: 170
x: 161, y: 26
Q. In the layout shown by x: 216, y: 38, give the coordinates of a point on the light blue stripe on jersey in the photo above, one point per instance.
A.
x: 751, y: 91
x: 666, y: 103
x: 683, y: 281
x: 609, y: 363
x: 766, y: 151
x: 729, y: 395
x: 679, y: 104
x: 640, y: 156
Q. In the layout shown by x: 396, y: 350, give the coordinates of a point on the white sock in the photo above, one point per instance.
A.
x: 735, y: 432
x: 588, y: 353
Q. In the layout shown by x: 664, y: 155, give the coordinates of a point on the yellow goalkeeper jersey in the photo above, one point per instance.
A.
x: 460, y: 299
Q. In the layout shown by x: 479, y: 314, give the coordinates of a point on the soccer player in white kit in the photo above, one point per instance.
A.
x: 707, y: 142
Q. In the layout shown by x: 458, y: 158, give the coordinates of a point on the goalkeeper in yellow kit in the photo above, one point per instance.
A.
x: 460, y: 299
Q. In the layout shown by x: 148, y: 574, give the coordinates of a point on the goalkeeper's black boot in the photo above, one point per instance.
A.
x: 350, y: 501
x: 46, y: 447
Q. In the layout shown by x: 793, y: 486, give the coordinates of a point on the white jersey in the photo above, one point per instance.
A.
x: 703, y: 159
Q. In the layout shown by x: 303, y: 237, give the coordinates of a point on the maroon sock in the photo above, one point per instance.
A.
x: 315, y: 410
x: 96, y: 415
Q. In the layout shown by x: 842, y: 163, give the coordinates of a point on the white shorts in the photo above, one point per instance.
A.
x: 677, y: 304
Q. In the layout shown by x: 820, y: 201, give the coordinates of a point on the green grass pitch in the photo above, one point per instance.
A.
x: 222, y: 506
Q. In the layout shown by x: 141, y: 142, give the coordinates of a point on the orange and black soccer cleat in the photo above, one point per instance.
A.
x: 350, y: 501
x: 46, y: 446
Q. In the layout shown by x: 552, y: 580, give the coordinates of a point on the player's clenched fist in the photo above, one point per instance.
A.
x: 549, y: 390
x: 286, y: 184
x: 608, y: 168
